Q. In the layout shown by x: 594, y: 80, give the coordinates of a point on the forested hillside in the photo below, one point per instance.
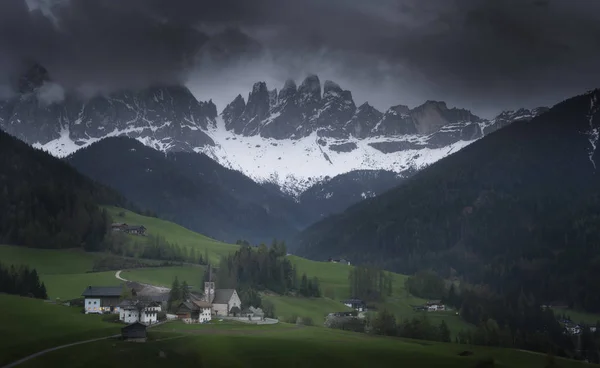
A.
x: 191, y: 190
x: 46, y: 203
x: 518, y: 209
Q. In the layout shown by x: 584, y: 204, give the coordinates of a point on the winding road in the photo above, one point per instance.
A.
x: 118, y: 276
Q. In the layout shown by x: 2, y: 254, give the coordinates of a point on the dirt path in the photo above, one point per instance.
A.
x: 148, y: 289
x: 14, y: 364
x: 23, y: 360
x: 118, y: 276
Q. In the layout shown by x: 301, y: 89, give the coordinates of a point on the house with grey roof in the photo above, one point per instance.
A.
x: 196, y: 311
x: 102, y: 299
x: 224, y: 302
x: 139, y: 310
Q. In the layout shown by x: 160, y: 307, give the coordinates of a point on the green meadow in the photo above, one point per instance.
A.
x: 164, y: 276
x: 30, y: 325
x: 67, y: 273
x: 282, y: 345
x: 174, y: 234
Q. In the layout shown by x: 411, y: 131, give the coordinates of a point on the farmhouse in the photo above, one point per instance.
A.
x: 101, y: 299
x: 435, y: 305
x: 355, y: 304
x: 131, y: 311
x: 224, y: 301
x: 134, y: 332
x: 194, y: 312
x: 129, y: 229
x: 343, y: 261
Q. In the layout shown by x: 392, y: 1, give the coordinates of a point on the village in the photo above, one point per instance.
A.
x: 144, y: 308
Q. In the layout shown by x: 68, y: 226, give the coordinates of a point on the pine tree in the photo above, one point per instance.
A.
x: 444, y: 332
x: 185, y: 291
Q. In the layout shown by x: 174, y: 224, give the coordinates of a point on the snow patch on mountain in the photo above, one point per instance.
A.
x: 296, y: 164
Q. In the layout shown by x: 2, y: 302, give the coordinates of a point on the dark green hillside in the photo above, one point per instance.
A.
x: 46, y: 203
x: 191, y: 190
x: 516, y: 209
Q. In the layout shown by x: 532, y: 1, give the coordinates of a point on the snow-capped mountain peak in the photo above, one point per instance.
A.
x: 293, y: 137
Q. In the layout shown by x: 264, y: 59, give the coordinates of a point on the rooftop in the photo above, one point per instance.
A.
x: 99, y: 291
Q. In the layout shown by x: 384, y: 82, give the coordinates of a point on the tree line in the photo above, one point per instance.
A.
x: 369, y: 283
x: 20, y: 280
x: 154, y: 247
x: 385, y: 323
x: 253, y: 269
x: 263, y: 268
x: 513, y: 320
x: 498, y: 212
x: 45, y: 203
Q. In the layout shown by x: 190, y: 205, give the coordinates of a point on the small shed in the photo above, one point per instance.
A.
x: 134, y: 332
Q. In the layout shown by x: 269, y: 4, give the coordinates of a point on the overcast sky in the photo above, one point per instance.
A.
x: 484, y: 55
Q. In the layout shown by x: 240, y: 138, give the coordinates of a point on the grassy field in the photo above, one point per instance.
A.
x: 175, y: 234
x: 315, y: 308
x: 282, y: 346
x: 164, y: 276
x: 48, y: 261
x: 70, y: 286
x: 66, y: 274
x: 333, y: 278
x: 30, y: 325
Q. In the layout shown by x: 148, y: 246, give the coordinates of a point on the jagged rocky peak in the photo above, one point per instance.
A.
x: 398, y: 110
x: 366, y: 109
x: 310, y: 91
x: 288, y: 92
x: 331, y: 89
x: 432, y: 115
x: 364, y: 121
x: 256, y: 110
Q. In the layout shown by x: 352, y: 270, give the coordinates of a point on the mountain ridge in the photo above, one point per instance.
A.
x: 515, y: 210
x: 293, y: 137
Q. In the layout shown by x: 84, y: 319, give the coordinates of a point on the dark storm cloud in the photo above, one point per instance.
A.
x: 481, y: 54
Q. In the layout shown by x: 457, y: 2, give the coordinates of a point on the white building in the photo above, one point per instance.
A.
x: 222, y: 300
x: 195, y: 311
x: 132, y: 311
x: 102, y: 299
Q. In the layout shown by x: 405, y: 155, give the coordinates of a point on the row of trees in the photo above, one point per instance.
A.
x: 21, y: 281
x: 426, y: 284
x: 515, y: 320
x: 369, y: 283
x: 152, y: 247
x: 385, y: 323
x: 263, y: 268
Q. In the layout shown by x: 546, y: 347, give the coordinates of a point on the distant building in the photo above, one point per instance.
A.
x: 134, y: 332
x: 222, y: 300
x: 129, y: 229
x: 194, y: 312
x: 146, y: 312
x: 118, y: 226
x: 356, y: 304
x: 101, y: 299
x: 343, y: 261
x: 136, y: 230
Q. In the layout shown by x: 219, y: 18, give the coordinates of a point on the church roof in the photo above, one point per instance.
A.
x: 223, y: 296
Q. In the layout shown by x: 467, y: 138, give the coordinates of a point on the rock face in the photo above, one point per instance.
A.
x: 300, y: 112
x: 293, y: 137
x: 168, y: 115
